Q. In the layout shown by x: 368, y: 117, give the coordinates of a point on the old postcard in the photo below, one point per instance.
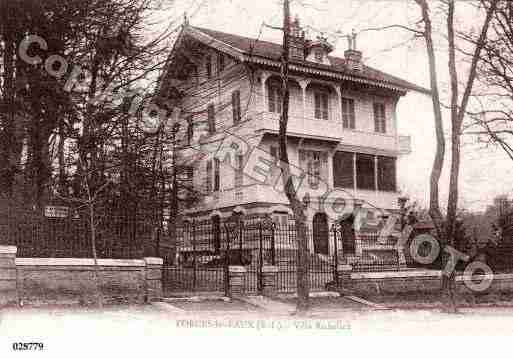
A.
x: 199, y: 177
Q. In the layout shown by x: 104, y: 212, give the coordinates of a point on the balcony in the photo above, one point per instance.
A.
x: 332, y: 130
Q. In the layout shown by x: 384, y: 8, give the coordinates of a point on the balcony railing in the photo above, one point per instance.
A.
x: 333, y: 130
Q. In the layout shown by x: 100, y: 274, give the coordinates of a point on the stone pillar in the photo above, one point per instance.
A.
x: 269, y: 280
x: 8, y: 277
x: 236, y: 274
x: 153, y: 278
x: 344, y: 276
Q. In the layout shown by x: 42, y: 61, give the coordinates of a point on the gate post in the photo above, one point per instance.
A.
x: 226, y: 264
x: 8, y: 275
x: 153, y: 278
x: 269, y: 280
x: 344, y: 276
x: 335, y: 255
x: 236, y: 284
x: 194, y: 279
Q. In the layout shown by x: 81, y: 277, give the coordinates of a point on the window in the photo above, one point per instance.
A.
x: 314, y: 170
x: 209, y: 177
x: 379, y: 118
x: 386, y: 173
x: 217, y: 169
x: 365, y: 171
x: 220, y: 63
x: 190, y: 130
x: 281, y: 220
x: 275, y: 98
x: 236, y: 106
x: 208, y: 66
x: 343, y: 169
x: 211, y: 119
x: 315, y: 163
x: 321, y: 105
x: 239, y: 163
x: 348, y: 113
x: 216, y: 229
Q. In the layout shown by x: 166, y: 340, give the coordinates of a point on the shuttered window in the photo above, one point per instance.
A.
x: 348, y: 113
x: 321, y: 100
x: 217, y: 170
x: 236, y: 106
x: 211, y: 119
x: 386, y: 173
x: 379, y: 118
x: 208, y: 182
x: 343, y: 170
x: 274, y: 98
x: 365, y: 171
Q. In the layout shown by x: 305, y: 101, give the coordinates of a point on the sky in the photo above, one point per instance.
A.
x: 485, y: 172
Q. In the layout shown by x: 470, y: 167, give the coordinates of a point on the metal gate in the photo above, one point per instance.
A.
x: 205, y: 250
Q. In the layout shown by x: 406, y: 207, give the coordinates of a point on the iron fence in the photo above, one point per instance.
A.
x: 36, y: 235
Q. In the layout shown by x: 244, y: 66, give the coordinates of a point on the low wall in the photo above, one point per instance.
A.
x: 396, y: 282
x: 498, y: 283
x: 427, y: 281
x: 48, y: 279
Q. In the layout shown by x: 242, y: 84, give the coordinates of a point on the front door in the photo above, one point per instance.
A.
x: 321, y: 234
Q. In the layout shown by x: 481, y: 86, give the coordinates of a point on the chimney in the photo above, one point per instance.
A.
x: 297, y: 41
x: 352, y: 56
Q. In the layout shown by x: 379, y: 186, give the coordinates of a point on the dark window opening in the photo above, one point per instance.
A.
x: 386, y: 173
x: 217, y: 180
x: 216, y: 231
x: 236, y: 106
x: 209, y: 177
x: 365, y: 172
x: 343, y: 169
x: 211, y: 119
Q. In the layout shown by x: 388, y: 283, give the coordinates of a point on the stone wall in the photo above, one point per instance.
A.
x: 54, y: 279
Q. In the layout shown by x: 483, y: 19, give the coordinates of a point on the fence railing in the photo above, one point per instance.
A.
x: 38, y: 236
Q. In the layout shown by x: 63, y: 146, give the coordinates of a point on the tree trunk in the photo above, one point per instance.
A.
x: 288, y: 185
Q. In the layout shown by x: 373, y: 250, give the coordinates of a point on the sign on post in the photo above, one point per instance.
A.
x: 56, y: 211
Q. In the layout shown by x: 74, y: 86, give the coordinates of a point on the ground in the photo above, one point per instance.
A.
x: 229, y: 328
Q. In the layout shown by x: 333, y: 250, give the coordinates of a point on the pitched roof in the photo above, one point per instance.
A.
x: 272, y: 51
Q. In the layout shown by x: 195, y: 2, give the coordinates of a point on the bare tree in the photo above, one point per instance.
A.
x: 458, y: 108
x: 287, y: 178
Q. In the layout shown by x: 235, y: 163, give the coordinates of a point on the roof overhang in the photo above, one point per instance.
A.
x: 334, y: 140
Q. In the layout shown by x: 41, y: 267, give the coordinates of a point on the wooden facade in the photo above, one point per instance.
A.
x: 342, y: 127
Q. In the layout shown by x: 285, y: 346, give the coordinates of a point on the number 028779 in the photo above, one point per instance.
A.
x: 18, y: 346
